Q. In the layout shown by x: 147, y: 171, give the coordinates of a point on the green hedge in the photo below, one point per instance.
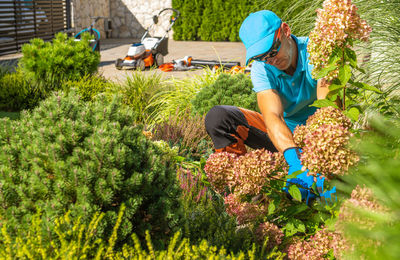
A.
x: 211, y: 20
x: 220, y: 20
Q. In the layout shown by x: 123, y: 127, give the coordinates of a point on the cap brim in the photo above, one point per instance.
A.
x: 259, y: 47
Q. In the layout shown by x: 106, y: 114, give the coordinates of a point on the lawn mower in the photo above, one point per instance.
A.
x: 149, y: 51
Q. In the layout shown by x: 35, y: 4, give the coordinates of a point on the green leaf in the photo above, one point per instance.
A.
x: 344, y: 74
x: 293, y: 226
x: 360, y: 69
x: 335, y: 87
x: 295, y: 192
x: 322, y: 73
x: 366, y: 87
x: 353, y: 113
x: 323, y: 103
x: 271, y: 208
x: 294, y: 174
x: 351, y: 57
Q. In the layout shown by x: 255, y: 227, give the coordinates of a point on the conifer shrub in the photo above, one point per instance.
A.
x: 235, y: 90
x: 86, y: 157
x: 16, y: 92
x: 89, y: 86
x: 50, y: 63
x: 75, y: 240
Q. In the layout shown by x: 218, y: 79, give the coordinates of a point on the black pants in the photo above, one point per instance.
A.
x: 231, y: 128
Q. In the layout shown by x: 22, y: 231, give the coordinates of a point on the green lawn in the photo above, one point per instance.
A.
x: 12, y: 115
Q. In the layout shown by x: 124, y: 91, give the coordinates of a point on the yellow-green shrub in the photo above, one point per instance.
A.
x: 75, y: 240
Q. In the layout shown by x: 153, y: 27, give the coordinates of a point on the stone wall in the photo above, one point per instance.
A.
x: 129, y: 18
x: 82, y: 10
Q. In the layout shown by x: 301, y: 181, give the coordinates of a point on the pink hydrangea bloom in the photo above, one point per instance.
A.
x: 245, y: 212
x: 254, y: 170
x: 324, y: 140
x: 318, y: 246
x: 337, y: 22
x: 219, y: 170
x: 270, y: 230
x: 361, y: 198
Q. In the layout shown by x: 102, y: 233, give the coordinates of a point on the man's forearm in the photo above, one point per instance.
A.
x: 278, y: 132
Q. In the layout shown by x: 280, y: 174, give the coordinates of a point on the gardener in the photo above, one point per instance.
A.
x: 281, y: 76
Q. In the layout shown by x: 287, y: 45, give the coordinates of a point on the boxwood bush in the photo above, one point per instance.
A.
x: 70, y: 155
x: 235, y: 90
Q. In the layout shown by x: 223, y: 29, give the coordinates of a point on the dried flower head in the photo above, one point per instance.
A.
x: 270, y: 231
x: 336, y: 23
x: 219, y: 170
x: 318, y: 246
x: 361, y: 198
x: 324, y: 140
x: 255, y: 169
x: 244, y: 212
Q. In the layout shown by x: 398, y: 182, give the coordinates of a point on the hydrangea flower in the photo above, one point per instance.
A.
x: 245, y: 212
x: 361, y: 198
x: 255, y: 169
x: 270, y: 230
x: 336, y: 23
x: 324, y: 140
x: 219, y: 170
x: 318, y: 246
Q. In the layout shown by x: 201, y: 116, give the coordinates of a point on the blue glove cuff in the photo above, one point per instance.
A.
x: 292, y: 156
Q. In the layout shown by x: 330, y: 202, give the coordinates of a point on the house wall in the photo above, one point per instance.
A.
x: 129, y: 18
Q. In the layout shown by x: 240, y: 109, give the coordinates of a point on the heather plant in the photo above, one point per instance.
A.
x: 48, y: 64
x: 325, y: 143
x: 235, y: 90
x: 186, y: 132
x: 68, y: 154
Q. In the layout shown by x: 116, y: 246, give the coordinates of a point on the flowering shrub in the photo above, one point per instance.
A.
x: 361, y: 199
x: 191, y: 185
x: 219, y: 170
x: 337, y: 24
x: 319, y: 246
x: 254, y: 170
x: 245, y: 212
x: 324, y: 140
x: 270, y: 231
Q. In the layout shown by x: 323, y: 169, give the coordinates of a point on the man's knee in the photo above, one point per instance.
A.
x: 216, y: 117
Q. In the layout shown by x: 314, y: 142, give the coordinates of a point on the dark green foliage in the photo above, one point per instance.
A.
x: 209, y: 220
x: 16, y: 92
x: 49, y: 64
x: 85, y: 157
x: 234, y: 90
x: 208, y: 20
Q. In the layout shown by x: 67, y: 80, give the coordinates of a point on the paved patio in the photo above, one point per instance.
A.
x: 112, y: 49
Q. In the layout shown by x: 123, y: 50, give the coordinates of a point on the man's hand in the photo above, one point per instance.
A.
x: 303, y: 180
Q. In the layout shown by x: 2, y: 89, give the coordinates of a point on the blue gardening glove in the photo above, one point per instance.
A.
x: 292, y: 157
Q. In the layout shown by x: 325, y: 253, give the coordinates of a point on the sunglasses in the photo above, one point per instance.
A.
x: 276, y: 46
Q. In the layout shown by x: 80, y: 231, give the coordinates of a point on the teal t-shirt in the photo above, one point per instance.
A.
x: 297, y: 92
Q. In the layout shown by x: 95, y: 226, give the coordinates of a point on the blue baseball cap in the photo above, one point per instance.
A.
x: 257, y: 32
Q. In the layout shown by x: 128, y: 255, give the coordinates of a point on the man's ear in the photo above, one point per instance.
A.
x: 286, y: 30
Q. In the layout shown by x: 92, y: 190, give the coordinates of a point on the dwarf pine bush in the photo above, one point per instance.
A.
x: 235, y: 90
x: 70, y: 155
